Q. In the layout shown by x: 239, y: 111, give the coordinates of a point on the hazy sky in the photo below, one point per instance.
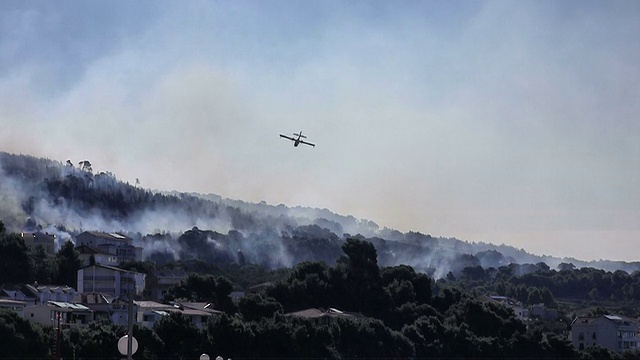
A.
x: 513, y: 122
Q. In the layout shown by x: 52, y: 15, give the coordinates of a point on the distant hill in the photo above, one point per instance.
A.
x: 67, y: 198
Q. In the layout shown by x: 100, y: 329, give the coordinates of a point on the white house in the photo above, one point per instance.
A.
x: 150, y: 311
x: 519, y: 310
x: 113, y: 243
x: 55, y: 311
x: 324, y: 316
x: 159, y: 282
x: 13, y: 305
x: 35, y: 294
x: 110, y: 280
x: 99, y: 256
x: 105, y: 306
x: 613, y: 332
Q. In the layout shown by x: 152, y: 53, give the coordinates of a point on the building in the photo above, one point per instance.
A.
x: 35, y: 294
x: 47, y: 241
x: 65, y: 312
x: 19, y: 292
x: 542, y: 312
x: 99, y: 256
x: 613, y: 332
x: 110, y: 280
x: 323, y: 317
x: 105, y: 306
x: 148, y: 312
x: 13, y: 305
x: 519, y: 310
x: 159, y: 282
x: 112, y: 243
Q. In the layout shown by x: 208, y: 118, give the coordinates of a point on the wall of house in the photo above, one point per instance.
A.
x: 604, y: 332
x: 99, y: 279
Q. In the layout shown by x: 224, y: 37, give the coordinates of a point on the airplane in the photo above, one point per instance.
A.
x: 297, y: 139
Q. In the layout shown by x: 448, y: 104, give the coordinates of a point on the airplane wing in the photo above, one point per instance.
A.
x: 287, y: 137
x: 307, y: 143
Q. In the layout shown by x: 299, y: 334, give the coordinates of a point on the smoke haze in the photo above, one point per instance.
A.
x: 493, y: 122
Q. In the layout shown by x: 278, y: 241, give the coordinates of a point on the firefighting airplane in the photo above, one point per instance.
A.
x: 297, y: 139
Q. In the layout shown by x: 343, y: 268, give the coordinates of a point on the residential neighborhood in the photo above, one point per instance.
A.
x: 103, y: 291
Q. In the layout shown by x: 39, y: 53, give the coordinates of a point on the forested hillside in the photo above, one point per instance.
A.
x: 67, y: 198
x: 410, y: 295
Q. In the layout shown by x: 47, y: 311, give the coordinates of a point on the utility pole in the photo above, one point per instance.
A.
x: 130, y: 333
x: 58, y: 341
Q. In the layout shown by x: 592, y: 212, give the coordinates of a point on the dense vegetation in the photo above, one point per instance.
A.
x: 403, y: 314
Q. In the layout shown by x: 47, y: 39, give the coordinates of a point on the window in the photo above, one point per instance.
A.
x: 593, y: 336
x: 581, y: 336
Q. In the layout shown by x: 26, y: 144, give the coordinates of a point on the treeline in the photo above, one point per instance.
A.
x: 48, y: 183
x: 537, y: 283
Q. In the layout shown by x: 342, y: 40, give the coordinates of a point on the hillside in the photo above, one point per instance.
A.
x: 66, y: 199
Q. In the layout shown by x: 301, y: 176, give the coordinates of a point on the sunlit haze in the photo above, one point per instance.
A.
x: 514, y: 122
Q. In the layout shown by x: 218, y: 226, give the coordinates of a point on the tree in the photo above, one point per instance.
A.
x: 43, y: 266
x: 15, y: 263
x: 206, y: 288
x: 21, y: 339
x: 181, y: 338
x: 229, y: 335
x: 95, y: 341
x: 85, y: 165
x: 371, y: 339
x: 566, y: 266
x: 68, y: 260
x: 358, y: 279
x: 255, y: 306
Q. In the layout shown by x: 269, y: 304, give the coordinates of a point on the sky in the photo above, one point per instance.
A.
x: 507, y: 122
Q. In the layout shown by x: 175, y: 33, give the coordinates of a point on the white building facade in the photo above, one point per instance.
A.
x: 613, y: 332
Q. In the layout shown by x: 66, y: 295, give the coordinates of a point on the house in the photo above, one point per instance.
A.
x: 323, y: 317
x: 159, y: 282
x: 113, y: 243
x: 198, y: 313
x: 150, y: 311
x: 47, y: 293
x: 13, y: 305
x: 19, y: 292
x: 236, y: 296
x: 105, y: 306
x: 542, y: 312
x: 613, y: 332
x: 35, y: 294
x: 99, y: 256
x: 258, y: 288
x: 110, y: 280
x: 519, y: 310
x: 47, y: 241
x: 201, y: 306
x: 65, y: 313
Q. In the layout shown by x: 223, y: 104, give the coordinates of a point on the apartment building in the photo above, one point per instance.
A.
x: 613, y: 332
